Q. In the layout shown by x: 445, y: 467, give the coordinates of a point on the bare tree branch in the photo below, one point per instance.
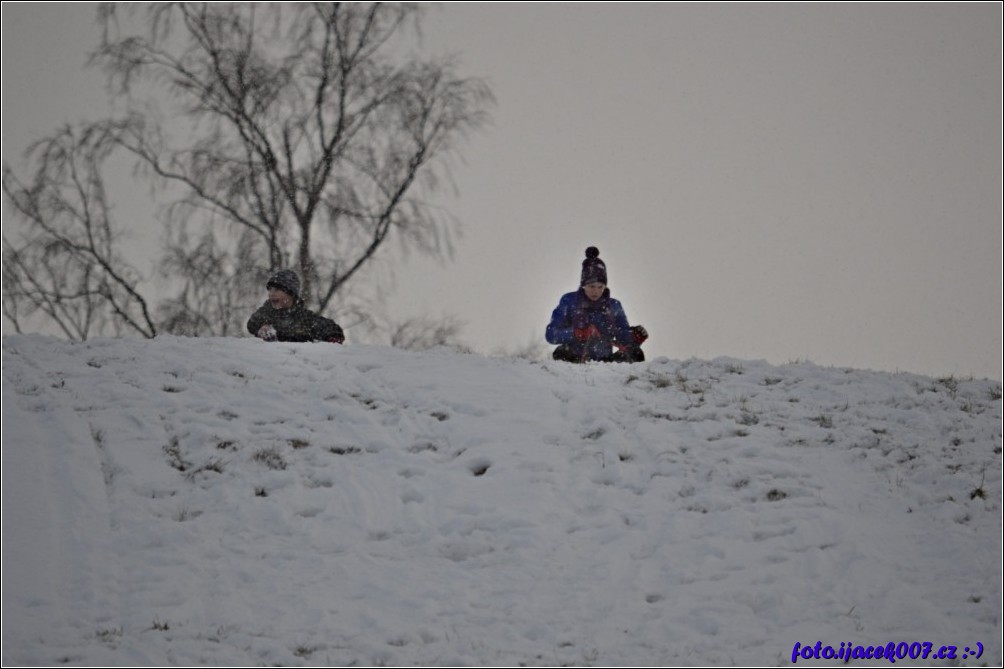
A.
x: 419, y: 334
x: 66, y: 265
x: 298, y: 121
x: 288, y: 133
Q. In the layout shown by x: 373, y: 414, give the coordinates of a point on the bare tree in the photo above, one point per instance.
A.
x: 303, y: 129
x: 299, y: 135
x: 218, y: 290
x: 421, y: 333
x: 65, y: 266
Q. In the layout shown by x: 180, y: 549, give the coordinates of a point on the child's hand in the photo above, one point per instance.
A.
x: 587, y: 333
x: 267, y: 332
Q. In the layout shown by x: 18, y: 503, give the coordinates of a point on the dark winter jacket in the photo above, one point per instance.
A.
x: 295, y: 324
x: 576, y: 311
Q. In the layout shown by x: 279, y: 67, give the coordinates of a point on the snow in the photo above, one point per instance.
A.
x: 234, y: 502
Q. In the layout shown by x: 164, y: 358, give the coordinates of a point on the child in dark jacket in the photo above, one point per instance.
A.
x: 588, y: 324
x: 284, y: 317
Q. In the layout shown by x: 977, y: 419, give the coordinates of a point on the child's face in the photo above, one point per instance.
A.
x: 594, y: 290
x: 279, y: 299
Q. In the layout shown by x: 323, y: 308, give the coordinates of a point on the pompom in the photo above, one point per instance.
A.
x: 592, y: 252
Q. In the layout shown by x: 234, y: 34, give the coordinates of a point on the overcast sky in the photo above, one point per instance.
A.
x: 779, y: 181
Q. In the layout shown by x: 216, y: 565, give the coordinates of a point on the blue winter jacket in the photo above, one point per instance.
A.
x: 575, y: 311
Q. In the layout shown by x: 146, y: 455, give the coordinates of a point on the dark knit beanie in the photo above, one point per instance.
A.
x: 285, y: 280
x: 593, y: 269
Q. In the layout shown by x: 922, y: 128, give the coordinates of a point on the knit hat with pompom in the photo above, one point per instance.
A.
x: 593, y: 269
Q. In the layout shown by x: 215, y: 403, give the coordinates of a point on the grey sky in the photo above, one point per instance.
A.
x: 780, y: 181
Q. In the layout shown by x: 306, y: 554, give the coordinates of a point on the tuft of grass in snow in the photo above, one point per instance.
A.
x: 980, y: 491
x: 824, y: 421
x: 271, y: 458
x: 109, y: 634
x: 185, y: 514
x: 344, y: 450
x: 174, y: 457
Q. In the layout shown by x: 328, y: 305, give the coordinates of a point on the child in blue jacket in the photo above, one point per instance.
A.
x: 588, y: 324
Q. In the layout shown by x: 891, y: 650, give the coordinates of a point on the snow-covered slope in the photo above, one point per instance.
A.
x: 227, y: 501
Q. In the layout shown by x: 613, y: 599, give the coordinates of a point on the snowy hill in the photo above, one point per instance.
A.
x: 227, y: 501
